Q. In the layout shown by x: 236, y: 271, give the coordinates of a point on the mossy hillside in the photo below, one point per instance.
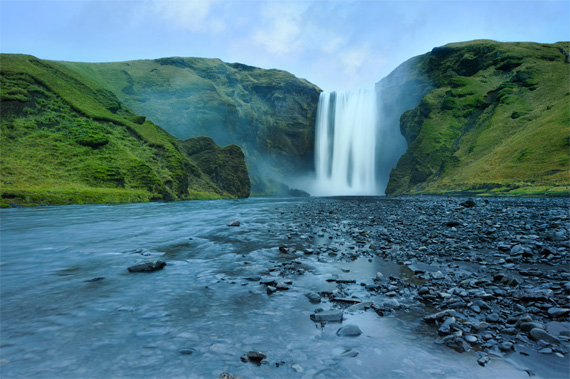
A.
x: 496, y: 122
x: 66, y: 140
x: 270, y: 114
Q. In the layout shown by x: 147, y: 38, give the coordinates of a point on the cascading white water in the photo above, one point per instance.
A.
x: 345, y: 143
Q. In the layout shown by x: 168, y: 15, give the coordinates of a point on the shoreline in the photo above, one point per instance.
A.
x: 492, y: 275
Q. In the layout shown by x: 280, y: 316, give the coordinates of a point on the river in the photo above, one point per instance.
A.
x: 205, y: 309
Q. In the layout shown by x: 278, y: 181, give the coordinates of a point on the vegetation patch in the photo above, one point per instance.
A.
x: 66, y: 140
x: 498, y: 126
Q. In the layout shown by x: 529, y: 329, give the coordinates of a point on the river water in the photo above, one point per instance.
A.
x: 205, y: 309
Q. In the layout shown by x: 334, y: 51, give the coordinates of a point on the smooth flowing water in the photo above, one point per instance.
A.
x: 204, y: 310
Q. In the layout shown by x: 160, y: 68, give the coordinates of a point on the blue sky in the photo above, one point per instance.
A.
x: 337, y: 45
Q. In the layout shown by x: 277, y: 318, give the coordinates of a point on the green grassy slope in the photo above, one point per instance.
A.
x: 497, y: 121
x: 66, y: 140
x: 270, y: 114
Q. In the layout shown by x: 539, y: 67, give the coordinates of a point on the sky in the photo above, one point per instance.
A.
x: 336, y: 44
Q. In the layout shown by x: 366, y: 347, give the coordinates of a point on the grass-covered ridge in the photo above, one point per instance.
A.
x: 269, y: 114
x: 496, y: 121
x: 67, y: 140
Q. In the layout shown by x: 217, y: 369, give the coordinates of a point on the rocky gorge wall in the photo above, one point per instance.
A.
x: 269, y: 114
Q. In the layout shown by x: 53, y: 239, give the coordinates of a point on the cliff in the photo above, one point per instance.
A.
x: 66, y: 140
x: 269, y: 114
x: 490, y: 118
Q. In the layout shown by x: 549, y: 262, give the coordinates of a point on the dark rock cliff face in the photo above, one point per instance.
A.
x: 490, y: 118
x: 270, y: 114
x: 224, y: 165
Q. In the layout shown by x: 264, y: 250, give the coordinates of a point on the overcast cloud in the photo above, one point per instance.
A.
x: 337, y: 45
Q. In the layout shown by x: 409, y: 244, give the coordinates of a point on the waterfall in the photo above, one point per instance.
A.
x: 345, y: 143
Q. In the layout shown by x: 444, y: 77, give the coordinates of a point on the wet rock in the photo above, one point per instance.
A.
x: 558, y: 329
x: 437, y: 275
x: 493, y: 317
x: 508, y: 280
x: 226, y: 375
x: 282, y: 286
x: 359, y: 306
x: 328, y: 316
x: 415, y: 269
x: 349, y: 331
x: 270, y: 290
x: 456, y: 343
x: 233, y: 223
x: 481, y: 326
x: 506, y: 346
x: 471, y: 339
x: 483, y: 359
x: 558, y: 312
x: 541, y: 334
x: 534, y: 294
x: 348, y: 354
x: 253, y: 356
x: 147, y: 267
x: 392, y: 303
x: 313, y: 297
x: 189, y: 351
x: 440, y: 315
x: 346, y: 300
x: 445, y: 328
x: 423, y: 291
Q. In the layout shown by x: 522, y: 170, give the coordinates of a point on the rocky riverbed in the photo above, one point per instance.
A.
x: 490, y: 275
x: 364, y: 287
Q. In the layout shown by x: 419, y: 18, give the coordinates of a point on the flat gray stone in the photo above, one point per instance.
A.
x: 328, y: 316
x: 541, y: 334
x: 359, y: 307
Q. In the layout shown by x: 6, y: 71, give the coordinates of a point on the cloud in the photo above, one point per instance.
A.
x: 281, y: 27
x: 193, y: 15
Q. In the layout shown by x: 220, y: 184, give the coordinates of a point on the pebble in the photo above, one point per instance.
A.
x: 471, y: 339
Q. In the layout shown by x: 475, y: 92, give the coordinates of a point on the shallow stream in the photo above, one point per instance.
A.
x: 205, y: 309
